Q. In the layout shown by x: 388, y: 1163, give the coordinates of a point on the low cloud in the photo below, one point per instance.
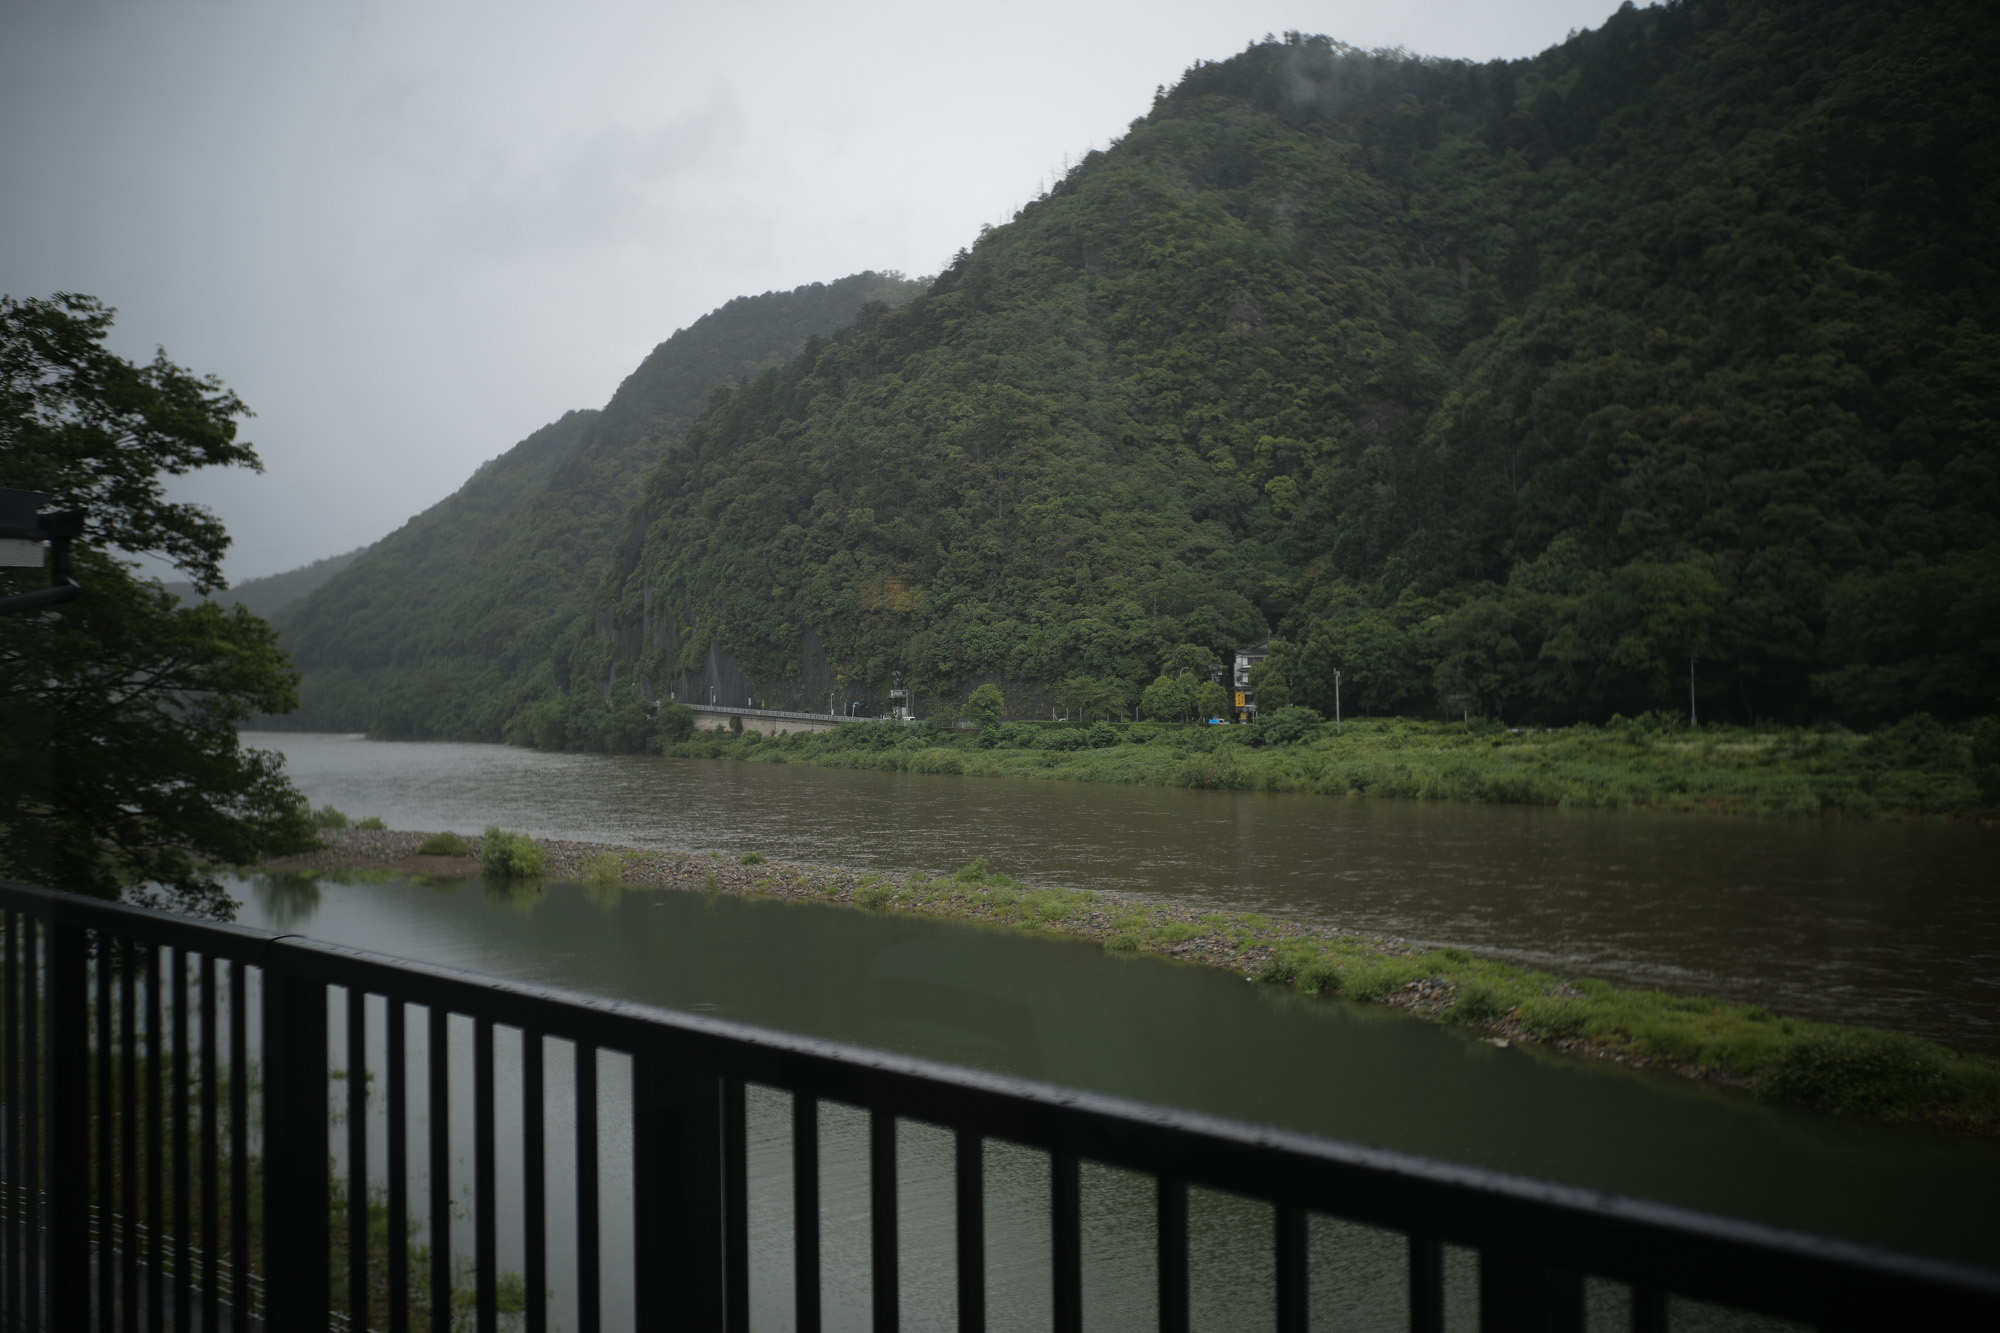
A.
x: 609, y: 187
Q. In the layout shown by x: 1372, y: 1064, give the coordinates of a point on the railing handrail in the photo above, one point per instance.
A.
x: 1598, y: 1228
x: 1649, y: 1244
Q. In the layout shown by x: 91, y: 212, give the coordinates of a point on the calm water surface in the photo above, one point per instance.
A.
x: 1896, y: 924
x: 1067, y: 1012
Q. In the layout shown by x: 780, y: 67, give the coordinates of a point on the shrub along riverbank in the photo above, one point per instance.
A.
x: 1916, y: 767
x: 1827, y: 1067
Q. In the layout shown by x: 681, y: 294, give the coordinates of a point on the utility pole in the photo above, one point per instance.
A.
x: 1691, y: 718
x: 1336, y: 701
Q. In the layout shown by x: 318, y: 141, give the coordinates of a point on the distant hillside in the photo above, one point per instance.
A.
x: 444, y: 625
x: 1506, y: 388
x: 267, y: 595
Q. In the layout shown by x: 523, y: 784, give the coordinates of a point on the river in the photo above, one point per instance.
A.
x: 1883, y: 922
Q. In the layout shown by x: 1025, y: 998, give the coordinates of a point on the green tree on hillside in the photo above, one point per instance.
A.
x: 1169, y: 699
x: 1090, y: 698
x: 1271, y: 679
x: 1189, y: 659
x: 985, y: 706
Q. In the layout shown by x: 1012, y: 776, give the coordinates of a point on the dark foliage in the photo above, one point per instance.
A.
x: 119, y: 764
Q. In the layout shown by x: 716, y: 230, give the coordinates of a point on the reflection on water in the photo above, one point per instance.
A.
x: 1067, y: 1012
x: 1891, y: 923
x: 284, y: 902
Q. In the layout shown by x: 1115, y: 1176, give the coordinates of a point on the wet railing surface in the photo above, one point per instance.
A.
x: 177, y: 1114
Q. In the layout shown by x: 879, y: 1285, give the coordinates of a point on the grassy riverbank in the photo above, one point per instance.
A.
x: 1829, y: 1067
x: 1914, y: 768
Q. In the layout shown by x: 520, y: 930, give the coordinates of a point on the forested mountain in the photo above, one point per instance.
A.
x: 438, y: 629
x: 272, y: 593
x: 1506, y: 387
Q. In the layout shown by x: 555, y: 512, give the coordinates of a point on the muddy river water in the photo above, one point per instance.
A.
x: 1889, y: 923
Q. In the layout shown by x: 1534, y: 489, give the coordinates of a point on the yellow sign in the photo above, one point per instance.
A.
x: 1239, y: 698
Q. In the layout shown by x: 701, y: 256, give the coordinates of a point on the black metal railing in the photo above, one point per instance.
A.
x: 172, y: 1155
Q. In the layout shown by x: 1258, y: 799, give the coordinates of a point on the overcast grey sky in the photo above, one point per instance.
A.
x: 409, y: 234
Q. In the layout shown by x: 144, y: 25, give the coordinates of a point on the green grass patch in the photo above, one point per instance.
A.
x: 1652, y: 762
x: 1827, y: 1067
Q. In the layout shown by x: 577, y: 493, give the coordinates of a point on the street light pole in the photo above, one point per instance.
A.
x: 1691, y: 718
x: 1336, y: 701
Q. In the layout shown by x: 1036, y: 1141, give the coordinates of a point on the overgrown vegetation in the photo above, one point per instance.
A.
x: 1916, y: 767
x: 505, y: 855
x: 444, y: 844
x: 329, y: 817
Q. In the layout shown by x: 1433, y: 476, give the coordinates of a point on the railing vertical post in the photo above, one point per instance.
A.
x: 211, y: 1165
x: 736, y: 1206
x: 1426, y: 1285
x: 242, y: 1307
x: 676, y: 1195
x: 13, y: 1201
x: 177, y: 1106
x: 129, y: 956
x: 1294, y: 1286
x: 397, y: 1095
x: 295, y: 1143
x: 69, y: 1127
x: 156, y: 1157
x: 805, y: 1211
x: 534, y: 1180
x: 1519, y: 1294
x: 107, y: 1271
x: 588, y: 1277
x: 437, y: 1112
x: 1649, y: 1310
x: 1172, y: 1239
x: 1066, y: 1236
x: 485, y: 1208
x: 357, y: 1159
x: 971, y: 1198
x: 883, y: 1249
x: 28, y: 1149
